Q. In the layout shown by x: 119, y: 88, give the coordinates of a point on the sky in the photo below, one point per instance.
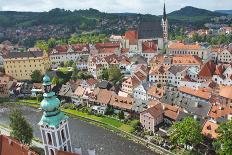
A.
x: 113, y: 6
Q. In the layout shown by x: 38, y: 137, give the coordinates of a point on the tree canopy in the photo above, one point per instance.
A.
x: 42, y: 44
x: 187, y: 131
x: 112, y: 74
x: 36, y: 76
x: 223, y: 145
x: 21, y: 129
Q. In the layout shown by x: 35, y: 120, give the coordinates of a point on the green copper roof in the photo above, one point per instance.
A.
x: 53, y: 121
x: 50, y: 104
x: 46, y: 80
x: 52, y: 116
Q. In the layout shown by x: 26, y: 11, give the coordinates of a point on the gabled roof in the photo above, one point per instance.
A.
x: 104, y: 96
x: 132, y: 36
x: 155, y: 111
x: 207, y: 70
x: 177, y: 69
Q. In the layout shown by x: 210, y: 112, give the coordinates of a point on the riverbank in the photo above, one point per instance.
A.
x: 117, y: 127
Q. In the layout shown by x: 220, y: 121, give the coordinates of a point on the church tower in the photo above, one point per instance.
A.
x: 53, y: 124
x: 165, y: 26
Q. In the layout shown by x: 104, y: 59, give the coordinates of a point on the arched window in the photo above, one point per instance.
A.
x: 49, y: 138
x: 63, y: 135
x: 65, y: 148
x: 52, y: 152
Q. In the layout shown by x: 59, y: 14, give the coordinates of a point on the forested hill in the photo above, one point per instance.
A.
x: 88, y: 18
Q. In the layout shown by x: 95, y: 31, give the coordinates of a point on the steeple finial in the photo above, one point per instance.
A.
x: 164, y: 14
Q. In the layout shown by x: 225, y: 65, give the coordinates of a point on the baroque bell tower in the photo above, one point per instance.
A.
x: 164, y: 24
x: 53, y: 124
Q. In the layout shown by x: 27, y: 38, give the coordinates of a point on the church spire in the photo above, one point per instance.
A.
x: 164, y: 13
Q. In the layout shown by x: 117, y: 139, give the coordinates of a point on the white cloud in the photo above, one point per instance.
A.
x: 137, y: 6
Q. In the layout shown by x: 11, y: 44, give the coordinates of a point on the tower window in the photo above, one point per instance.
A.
x: 52, y: 152
x: 49, y: 138
x: 63, y: 135
x: 65, y: 148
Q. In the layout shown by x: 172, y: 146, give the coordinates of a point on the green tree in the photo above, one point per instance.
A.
x: 42, y: 45
x: 55, y: 81
x: 187, y: 131
x: 21, y: 129
x: 115, y: 74
x: 73, y: 39
x: 109, y: 110
x: 105, y: 75
x: 52, y: 43
x: 223, y: 145
x: 36, y: 76
x: 121, y: 115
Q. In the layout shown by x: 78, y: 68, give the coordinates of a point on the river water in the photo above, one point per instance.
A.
x: 83, y: 134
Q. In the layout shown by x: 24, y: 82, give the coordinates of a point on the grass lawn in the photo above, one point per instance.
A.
x: 109, y: 121
x: 64, y: 69
x: 106, y: 120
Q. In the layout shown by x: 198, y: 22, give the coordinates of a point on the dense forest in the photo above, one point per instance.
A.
x: 89, y: 18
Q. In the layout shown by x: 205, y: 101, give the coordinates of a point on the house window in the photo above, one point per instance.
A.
x: 49, y: 138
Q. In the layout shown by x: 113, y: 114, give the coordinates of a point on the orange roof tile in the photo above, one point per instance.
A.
x: 202, y: 93
x: 186, y: 60
x: 122, y: 102
x: 132, y: 36
x: 155, y: 110
x: 149, y: 46
x: 209, y: 129
x: 182, y: 46
x: 226, y: 92
x: 104, y: 96
x: 218, y: 111
x: 155, y: 91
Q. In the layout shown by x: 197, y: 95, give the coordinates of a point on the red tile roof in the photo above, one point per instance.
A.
x: 226, y: 92
x: 182, y: 46
x: 9, y: 146
x: 207, y: 70
x: 132, y: 36
x: 202, y: 93
x: 149, y: 47
x: 218, y: 111
x: 209, y: 129
x: 122, y: 102
x: 155, y: 111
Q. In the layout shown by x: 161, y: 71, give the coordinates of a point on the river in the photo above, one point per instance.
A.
x: 83, y: 134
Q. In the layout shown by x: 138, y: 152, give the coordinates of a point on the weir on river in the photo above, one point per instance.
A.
x: 83, y: 134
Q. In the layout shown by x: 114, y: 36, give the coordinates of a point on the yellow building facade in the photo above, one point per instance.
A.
x: 20, y: 65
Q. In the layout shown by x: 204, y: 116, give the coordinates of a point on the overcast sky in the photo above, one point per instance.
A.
x: 135, y: 6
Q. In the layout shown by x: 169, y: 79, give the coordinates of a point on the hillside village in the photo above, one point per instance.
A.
x: 135, y: 76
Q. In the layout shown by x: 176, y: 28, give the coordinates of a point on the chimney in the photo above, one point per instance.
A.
x: 196, y: 104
